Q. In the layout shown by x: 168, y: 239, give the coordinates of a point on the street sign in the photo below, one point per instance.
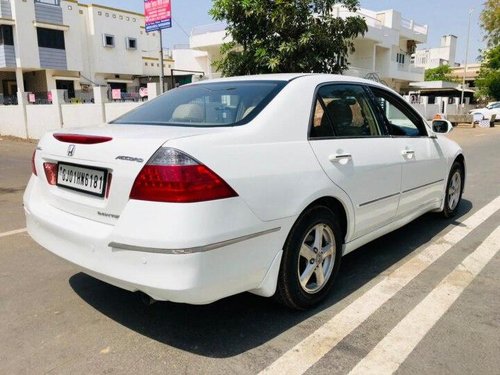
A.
x: 158, y: 14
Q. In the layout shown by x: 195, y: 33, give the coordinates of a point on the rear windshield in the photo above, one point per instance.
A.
x: 206, y: 105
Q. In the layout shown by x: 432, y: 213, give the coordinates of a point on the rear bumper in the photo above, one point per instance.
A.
x: 248, y: 264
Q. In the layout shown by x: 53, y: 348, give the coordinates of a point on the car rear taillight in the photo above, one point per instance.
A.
x: 172, y: 176
x: 50, y: 172
x: 82, y: 139
x: 33, y: 166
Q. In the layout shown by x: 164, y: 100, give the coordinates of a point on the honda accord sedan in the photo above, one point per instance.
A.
x: 256, y: 184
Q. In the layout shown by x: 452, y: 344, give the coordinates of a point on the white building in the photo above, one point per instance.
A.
x: 54, y: 44
x: 383, y: 53
x: 443, y: 55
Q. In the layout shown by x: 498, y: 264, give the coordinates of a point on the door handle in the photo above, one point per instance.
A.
x: 337, y: 158
x: 408, y: 154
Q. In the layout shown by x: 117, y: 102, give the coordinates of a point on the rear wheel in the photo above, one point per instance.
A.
x: 311, y: 259
x: 454, y: 189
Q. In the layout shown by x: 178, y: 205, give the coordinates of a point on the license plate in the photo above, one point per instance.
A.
x: 88, y: 180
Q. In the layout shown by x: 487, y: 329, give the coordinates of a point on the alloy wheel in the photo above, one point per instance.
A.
x: 454, y: 190
x: 316, y: 258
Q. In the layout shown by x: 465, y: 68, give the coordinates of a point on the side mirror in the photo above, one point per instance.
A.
x: 441, y: 126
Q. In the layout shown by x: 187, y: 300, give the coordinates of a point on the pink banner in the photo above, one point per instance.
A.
x: 158, y: 14
x: 116, y: 94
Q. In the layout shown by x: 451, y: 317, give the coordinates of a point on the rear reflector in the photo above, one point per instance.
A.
x: 33, y: 166
x: 172, y: 176
x: 82, y: 139
x: 50, y: 172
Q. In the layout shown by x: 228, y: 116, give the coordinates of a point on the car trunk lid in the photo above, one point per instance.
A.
x: 116, y: 153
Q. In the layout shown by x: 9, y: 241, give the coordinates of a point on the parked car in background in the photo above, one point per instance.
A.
x: 258, y: 183
x: 488, y: 111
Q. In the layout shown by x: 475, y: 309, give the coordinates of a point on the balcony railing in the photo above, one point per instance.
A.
x: 415, y: 27
x: 370, y: 20
x: 409, y: 68
x: 49, y: 2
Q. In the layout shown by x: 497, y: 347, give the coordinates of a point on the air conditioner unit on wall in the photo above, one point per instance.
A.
x: 411, y: 46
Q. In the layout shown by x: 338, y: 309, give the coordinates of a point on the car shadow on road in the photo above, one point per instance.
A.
x: 236, y: 324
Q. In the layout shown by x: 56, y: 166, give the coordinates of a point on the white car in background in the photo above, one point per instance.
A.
x: 488, y: 111
x: 256, y: 184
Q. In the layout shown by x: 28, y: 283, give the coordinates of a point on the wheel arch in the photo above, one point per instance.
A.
x: 337, y: 207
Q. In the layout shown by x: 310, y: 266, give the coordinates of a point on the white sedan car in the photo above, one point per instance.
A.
x: 488, y: 111
x: 256, y: 184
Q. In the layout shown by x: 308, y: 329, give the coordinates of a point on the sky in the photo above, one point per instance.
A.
x: 443, y: 17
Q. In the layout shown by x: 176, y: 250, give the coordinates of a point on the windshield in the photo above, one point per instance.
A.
x: 206, y: 105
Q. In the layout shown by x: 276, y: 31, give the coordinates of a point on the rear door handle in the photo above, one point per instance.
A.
x: 336, y: 158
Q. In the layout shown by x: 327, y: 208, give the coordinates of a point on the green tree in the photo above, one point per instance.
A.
x: 441, y: 73
x: 490, y: 22
x: 271, y: 36
x: 488, y: 80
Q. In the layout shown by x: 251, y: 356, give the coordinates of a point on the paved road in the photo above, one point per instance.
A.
x: 415, y: 301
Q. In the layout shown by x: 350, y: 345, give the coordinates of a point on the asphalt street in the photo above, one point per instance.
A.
x: 382, y: 316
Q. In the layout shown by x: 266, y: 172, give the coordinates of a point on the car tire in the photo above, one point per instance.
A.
x: 454, y: 189
x: 312, y: 251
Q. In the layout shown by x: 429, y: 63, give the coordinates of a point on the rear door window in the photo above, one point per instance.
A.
x: 344, y: 110
x: 206, y: 105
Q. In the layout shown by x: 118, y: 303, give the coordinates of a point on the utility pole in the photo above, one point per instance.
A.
x: 462, y: 100
x: 162, y: 70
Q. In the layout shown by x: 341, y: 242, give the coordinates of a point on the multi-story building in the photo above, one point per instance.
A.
x: 54, y: 44
x: 383, y: 53
x: 443, y: 55
x: 471, y: 74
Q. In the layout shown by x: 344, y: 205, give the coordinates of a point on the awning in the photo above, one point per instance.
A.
x: 7, y: 21
x: 446, y: 92
x: 117, y: 80
x: 67, y: 78
x: 52, y: 26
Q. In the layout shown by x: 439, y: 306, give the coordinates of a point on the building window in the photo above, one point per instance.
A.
x: 108, y: 40
x: 99, y: 13
x: 70, y: 7
x: 48, y: 38
x: 121, y: 17
x: 131, y: 43
x: 6, y: 35
x: 400, y: 58
x: 145, y: 64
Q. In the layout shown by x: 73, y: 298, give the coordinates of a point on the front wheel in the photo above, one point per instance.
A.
x: 454, y: 189
x: 311, y: 259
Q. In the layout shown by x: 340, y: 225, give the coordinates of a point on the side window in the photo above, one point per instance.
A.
x: 343, y: 111
x: 401, y: 119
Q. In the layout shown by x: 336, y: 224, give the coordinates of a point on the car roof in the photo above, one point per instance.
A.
x: 287, y: 77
